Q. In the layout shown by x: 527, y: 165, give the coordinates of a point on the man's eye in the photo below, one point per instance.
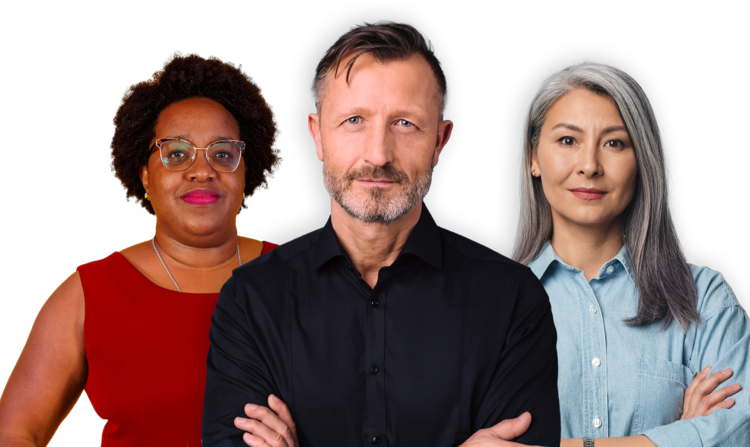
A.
x: 567, y: 141
x: 354, y: 120
x: 405, y: 123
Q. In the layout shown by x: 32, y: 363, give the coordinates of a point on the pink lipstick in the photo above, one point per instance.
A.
x: 588, y: 193
x: 201, y: 197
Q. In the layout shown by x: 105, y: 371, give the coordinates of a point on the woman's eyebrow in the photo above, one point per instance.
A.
x: 567, y: 126
x: 575, y: 128
x: 214, y: 139
x: 615, y: 129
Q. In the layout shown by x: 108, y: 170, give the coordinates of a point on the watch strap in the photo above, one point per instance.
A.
x: 588, y: 442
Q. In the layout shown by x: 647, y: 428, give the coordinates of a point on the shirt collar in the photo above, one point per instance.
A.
x: 547, y: 256
x: 541, y: 263
x: 424, y: 242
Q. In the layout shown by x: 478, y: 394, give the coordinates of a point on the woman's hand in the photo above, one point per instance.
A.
x: 702, y: 397
x: 268, y: 427
x: 500, y: 434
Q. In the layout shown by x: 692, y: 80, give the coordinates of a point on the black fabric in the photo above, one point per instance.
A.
x: 453, y: 338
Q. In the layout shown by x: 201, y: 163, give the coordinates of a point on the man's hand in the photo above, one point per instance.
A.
x: 702, y: 397
x: 266, y: 427
x: 500, y: 434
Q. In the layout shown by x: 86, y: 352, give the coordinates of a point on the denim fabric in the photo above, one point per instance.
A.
x: 619, y: 380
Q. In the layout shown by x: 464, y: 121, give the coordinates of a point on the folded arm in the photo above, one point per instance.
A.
x: 526, y: 377
x: 722, y: 340
x: 236, y: 372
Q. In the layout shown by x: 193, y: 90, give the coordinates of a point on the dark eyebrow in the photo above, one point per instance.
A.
x: 578, y: 129
x: 568, y: 126
x: 614, y: 129
x: 182, y: 137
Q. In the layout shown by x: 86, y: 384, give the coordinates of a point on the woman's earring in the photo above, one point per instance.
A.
x: 145, y: 196
x: 533, y: 173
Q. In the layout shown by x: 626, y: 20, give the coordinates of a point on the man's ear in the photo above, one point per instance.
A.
x: 443, y: 135
x: 313, y: 124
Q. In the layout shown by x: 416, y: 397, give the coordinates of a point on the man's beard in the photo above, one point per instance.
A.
x: 377, y: 206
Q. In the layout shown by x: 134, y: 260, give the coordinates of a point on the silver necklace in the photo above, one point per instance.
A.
x: 153, y: 244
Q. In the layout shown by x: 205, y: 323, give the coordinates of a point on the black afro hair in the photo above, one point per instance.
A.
x: 183, y: 78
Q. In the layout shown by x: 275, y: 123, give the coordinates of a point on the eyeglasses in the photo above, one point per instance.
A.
x: 178, y: 155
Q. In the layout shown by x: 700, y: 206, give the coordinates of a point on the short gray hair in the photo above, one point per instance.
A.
x: 665, y: 284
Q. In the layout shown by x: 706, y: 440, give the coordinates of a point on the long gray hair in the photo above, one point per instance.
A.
x: 665, y: 285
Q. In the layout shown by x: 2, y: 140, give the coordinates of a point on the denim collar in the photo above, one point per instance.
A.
x: 547, y: 257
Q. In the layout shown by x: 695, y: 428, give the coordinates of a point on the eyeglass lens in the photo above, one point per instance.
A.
x: 222, y: 156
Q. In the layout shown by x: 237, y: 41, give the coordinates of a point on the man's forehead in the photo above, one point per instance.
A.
x: 410, y: 80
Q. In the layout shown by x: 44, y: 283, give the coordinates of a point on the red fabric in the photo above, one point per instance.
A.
x: 146, y: 348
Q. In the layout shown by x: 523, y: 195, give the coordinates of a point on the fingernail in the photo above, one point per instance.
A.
x: 727, y: 371
x: 706, y: 369
x: 247, y: 436
x: 239, y: 420
x: 274, y: 398
x: 251, y: 406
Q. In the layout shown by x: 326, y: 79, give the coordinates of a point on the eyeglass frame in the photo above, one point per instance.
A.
x: 159, y: 141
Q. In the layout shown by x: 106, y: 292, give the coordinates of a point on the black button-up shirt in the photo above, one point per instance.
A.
x: 453, y: 338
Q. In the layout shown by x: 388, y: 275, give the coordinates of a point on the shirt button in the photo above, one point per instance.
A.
x: 376, y: 439
x: 349, y: 267
x: 374, y: 369
x: 374, y: 303
x: 610, y: 269
x: 597, y: 422
x: 592, y: 309
x: 596, y: 362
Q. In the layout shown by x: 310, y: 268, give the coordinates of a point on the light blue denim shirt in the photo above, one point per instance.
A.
x: 619, y: 380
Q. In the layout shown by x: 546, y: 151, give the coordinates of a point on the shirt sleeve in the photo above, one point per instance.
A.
x: 721, y: 341
x: 236, y: 372
x: 526, y: 379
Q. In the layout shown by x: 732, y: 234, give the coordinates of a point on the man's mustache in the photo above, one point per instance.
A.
x: 386, y: 172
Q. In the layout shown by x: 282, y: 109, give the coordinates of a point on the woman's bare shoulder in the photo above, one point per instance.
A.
x: 138, y: 253
x: 67, y: 300
x: 249, y: 248
x: 51, y: 371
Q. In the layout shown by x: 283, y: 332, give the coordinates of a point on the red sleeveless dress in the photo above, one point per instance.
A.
x: 146, y: 349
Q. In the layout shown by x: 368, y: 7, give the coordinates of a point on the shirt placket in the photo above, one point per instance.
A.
x: 594, y: 353
x: 375, y: 427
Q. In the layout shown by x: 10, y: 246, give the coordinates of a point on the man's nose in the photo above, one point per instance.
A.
x: 379, y: 145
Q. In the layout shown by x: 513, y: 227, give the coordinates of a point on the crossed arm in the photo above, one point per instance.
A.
x: 273, y: 426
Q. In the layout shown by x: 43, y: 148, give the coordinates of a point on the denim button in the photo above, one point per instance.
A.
x: 610, y: 269
x: 596, y: 362
x: 597, y: 422
x: 592, y: 309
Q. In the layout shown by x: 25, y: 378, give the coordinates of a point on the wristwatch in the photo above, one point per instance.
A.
x: 588, y: 442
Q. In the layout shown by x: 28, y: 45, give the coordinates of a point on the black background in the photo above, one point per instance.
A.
x: 66, y: 209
